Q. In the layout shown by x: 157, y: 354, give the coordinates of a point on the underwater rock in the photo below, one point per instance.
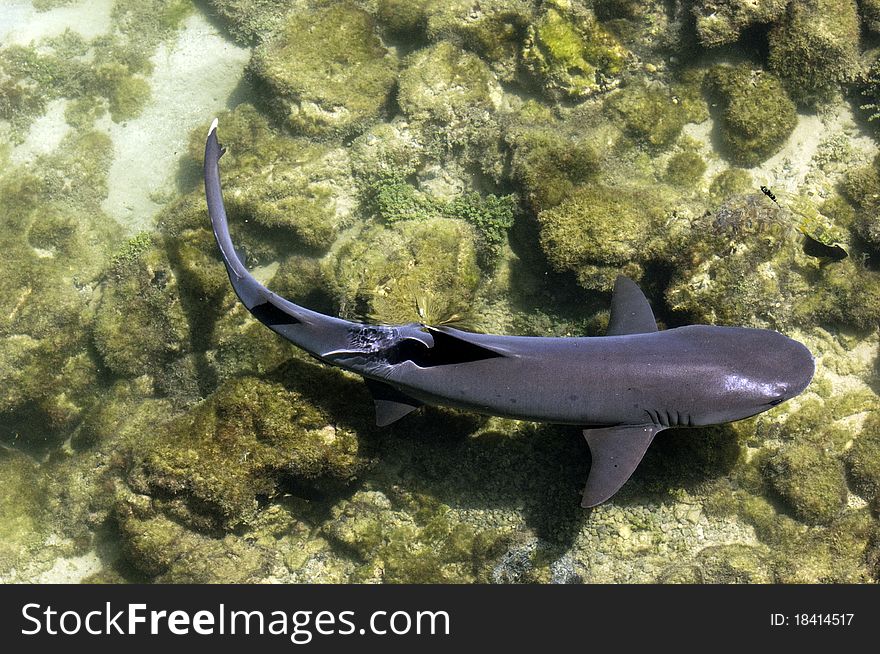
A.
x: 747, y: 266
x: 870, y: 13
x: 652, y: 115
x: 494, y: 30
x: 570, y: 54
x: 685, y: 169
x: 22, y: 510
x: 863, y: 461
x: 140, y: 324
x: 814, y: 49
x: 405, y: 19
x: 550, y: 160
x: 287, y: 186
x: 756, y: 115
x: 450, y: 97
x: 810, y: 480
x: 723, y: 564
x: 212, y: 467
x: 731, y: 181
x: 397, y: 547
x: 250, y: 21
x: 862, y: 186
x: 166, y: 552
x: 600, y: 232
x: 55, y: 241
x: 415, y: 270
x: 724, y: 21
x: 325, y: 73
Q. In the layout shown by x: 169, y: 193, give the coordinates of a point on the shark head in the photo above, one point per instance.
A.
x: 754, y: 370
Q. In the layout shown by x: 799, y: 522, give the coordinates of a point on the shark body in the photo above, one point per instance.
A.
x: 622, y: 388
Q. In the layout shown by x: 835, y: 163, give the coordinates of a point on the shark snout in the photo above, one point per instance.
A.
x: 796, y: 368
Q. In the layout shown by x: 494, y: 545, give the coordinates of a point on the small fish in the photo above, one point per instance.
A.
x: 766, y: 191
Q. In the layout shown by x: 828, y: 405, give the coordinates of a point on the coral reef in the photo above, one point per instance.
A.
x: 493, y: 164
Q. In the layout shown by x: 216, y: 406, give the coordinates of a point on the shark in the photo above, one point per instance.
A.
x: 621, y: 389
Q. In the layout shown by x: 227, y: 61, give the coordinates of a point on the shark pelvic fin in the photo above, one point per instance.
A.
x: 391, y: 404
x: 630, y: 311
x: 616, y: 452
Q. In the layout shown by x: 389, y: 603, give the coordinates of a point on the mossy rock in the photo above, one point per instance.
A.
x: 404, y: 19
x: 211, y: 467
x: 393, y: 275
x: 719, y: 22
x: 22, y: 510
x: 723, y: 564
x: 685, y: 169
x: 810, y: 480
x: 282, y: 192
x: 250, y: 21
x: 140, y: 324
x: 55, y: 243
x: 756, y: 114
x: 428, y: 547
x: 863, y: 461
x: 651, y: 115
x: 570, y: 54
x: 493, y: 30
x: 599, y: 232
x: 449, y: 96
x: 324, y: 72
x: 730, y: 182
x: 814, y: 48
x: 550, y: 162
x: 870, y: 13
x: 164, y: 551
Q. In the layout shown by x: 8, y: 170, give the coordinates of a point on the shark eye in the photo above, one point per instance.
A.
x: 778, y: 400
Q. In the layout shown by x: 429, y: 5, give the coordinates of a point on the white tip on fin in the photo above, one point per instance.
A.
x: 213, y: 126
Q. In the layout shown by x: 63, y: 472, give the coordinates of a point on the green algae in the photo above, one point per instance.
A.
x: 428, y: 547
x: 756, y: 114
x: 306, y: 96
x: 600, y: 231
x: 494, y: 31
x: 652, y: 116
x: 449, y: 96
x: 382, y: 272
x: 298, y: 199
x: 814, y: 48
x: 570, y: 53
x: 719, y: 23
x: 548, y: 161
x: 685, y: 169
x: 274, y: 436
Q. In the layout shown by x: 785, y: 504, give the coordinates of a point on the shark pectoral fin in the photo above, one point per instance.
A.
x: 391, y: 404
x: 616, y: 452
x: 630, y: 311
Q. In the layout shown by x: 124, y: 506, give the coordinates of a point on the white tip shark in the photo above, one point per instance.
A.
x: 622, y: 388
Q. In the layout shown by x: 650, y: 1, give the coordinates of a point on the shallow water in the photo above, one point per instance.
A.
x: 423, y: 161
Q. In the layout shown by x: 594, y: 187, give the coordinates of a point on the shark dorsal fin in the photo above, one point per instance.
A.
x: 391, y: 404
x: 630, y: 311
x: 616, y: 452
